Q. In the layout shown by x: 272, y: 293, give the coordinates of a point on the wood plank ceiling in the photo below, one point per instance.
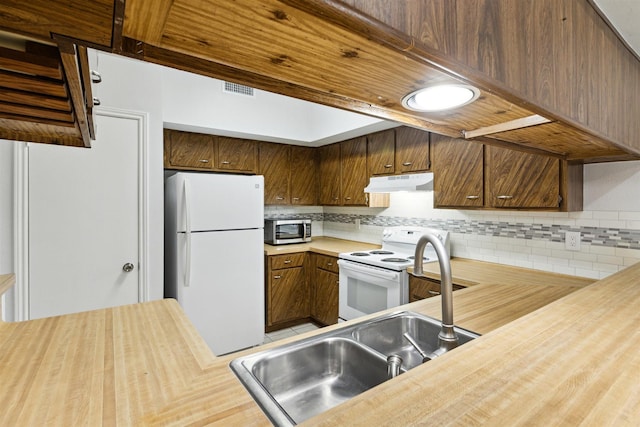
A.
x: 283, y: 42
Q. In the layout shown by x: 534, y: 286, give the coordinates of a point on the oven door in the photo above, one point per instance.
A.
x: 367, y: 289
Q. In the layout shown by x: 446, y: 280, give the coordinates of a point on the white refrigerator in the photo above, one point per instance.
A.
x: 214, y: 255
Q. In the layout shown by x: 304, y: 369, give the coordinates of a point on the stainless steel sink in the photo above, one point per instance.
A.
x: 297, y: 381
x: 386, y: 336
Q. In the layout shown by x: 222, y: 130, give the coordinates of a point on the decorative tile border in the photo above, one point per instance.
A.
x: 312, y: 216
x: 610, y: 237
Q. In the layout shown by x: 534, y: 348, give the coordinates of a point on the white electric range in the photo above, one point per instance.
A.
x: 376, y: 280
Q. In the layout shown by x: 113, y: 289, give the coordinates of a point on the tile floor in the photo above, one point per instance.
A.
x: 288, y: 332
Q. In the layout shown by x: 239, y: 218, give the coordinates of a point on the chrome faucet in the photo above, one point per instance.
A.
x: 447, y: 338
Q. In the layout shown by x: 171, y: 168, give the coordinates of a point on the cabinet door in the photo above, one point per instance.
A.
x: 354, y: 171
x: 274, y: 165
x: 457, y: 172
x: 289, y: 295
x: 521, y: 180
x: 188, y: 150
x: 238, y: 155
x: 424, y: 287
x: 381, y: 152
x: 325, y: 301
x: 412, y: 150
x: 304, y: 176
x: 330, y: 174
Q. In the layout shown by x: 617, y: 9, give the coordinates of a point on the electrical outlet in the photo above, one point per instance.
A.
x: 572, y: 241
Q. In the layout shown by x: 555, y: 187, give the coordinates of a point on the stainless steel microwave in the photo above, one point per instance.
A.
x: 284, y: 231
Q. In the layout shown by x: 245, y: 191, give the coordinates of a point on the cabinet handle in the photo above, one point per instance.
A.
x: 287, y: 261
x: 277, y: 277
x: 226, y: 163
x: 473, y: 197
x: 347, y: 198
x: 329, y: 264
x: 505, y: 197
x: 203, y: 161
x: 95, y: 77
x: 296, y: 198
x: 407, y: 163
x: 279, y: 198
x: 388, y: 166
x: 335, y: 198
x: 434, y: 293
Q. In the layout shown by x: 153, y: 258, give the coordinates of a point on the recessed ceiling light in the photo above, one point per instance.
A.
x: 440, y: 98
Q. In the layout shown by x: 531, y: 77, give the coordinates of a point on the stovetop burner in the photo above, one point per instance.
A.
x: 394, y: 260
x: 360, y: 254
x: 381, y: 252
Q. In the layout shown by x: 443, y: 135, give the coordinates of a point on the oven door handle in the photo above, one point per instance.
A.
x: 373, y: 271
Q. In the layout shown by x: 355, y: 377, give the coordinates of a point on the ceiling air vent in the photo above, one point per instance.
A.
x: 238, y: 89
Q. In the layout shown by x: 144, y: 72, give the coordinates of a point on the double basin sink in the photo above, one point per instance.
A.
x: 297, y: 381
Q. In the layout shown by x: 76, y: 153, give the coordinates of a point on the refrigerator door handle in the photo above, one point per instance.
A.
x: 187, y: 224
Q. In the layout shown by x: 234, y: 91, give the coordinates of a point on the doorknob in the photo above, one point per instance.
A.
x: 127, y: 267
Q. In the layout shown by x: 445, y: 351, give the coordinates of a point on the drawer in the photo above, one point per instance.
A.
x: 287, y: 260
x: 326, y: 262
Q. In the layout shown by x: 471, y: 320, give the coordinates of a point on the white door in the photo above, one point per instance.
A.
x: 83, y: 222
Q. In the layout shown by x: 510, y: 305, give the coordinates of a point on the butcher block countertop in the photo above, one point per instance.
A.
x: 549, y: 355
x: 322, y: 245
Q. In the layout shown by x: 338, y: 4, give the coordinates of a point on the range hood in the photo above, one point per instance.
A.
x: 393, y: 183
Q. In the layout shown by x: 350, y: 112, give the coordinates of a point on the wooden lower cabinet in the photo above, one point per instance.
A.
x: 423, y: 287
x: 325, y: 289
x: 286, y: 290
x: 300, y: 287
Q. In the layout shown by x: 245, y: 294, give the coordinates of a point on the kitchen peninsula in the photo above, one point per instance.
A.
x: 570, y: 361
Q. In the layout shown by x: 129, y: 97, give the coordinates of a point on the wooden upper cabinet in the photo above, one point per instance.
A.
x: 237, y: 155
x: 304, y: 175
x: 521, y: 180
x: 412, y: 150
x: 274, y: 165
x: 354, y: 171
x: 330, y: 174
x: 457, y: 172
x: 381, y: 152
x: 188, y: 150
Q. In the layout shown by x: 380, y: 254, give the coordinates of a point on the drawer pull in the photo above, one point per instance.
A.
x: 279, y: 198
x: 434, y: 292
x: 505, y: 197
x: 473, y: 197
x: 388, y: 166
x: 296, y: 198
x: 226, y: 163
x: 287, y: 261
x: 407, y: 163
x: 329, y: 264
x: 277, y: 277
x: 347, y: 198
x: 203, y: 161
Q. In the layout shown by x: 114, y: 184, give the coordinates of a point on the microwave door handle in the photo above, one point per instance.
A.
x: 187, y: 217
x: 304, y: 230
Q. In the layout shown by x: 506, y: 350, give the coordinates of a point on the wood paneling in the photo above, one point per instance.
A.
x: 189, y: 150
x: 91, y: 21
x: 304, y: 175
x: 412, y: 150
x: 557, y: 54
x: 353, y: 164
x: 381, y: 152
x: 236, y: 154
x: 330, y: 181
x: 457, y: 172
x: 275, y: 164
x: 521, y: 180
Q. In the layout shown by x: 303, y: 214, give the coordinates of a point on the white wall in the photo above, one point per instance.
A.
x: 6, y: 220
x: 612, y: 187
x: 137, y: 86
x: 199, y: 104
